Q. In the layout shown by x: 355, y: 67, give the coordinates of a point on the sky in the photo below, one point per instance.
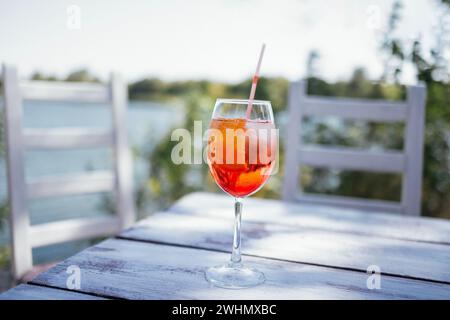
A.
x: 203, y: 39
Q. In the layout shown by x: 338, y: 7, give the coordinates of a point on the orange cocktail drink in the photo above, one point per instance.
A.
x: 241, y: 154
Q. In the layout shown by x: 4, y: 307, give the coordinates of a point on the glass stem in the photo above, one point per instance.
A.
x: 236, y: 252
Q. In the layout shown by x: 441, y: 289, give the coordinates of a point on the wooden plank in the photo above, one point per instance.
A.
x: 414, y: 140
x: 324, y: 217
x: 67, y: 138
x: 349, y: 202
x: 19, y: 221
x: 65, y: 92
x: 297, y: 92
x: 34, y: 292
x: 426, y: 261
x: 352, y: 159
x: 358, y: 109
x: 123, y: 161
x: 89, y: 182
x: 73, y: 229
x: 136, y: 270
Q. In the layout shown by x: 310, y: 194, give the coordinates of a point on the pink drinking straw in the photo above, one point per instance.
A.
x: 254, y: 83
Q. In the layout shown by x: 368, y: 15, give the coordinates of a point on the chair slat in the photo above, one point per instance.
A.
x: 73, y: 229
x: 124, y: 161
x: 361, y: 109
x: 349, y: 158
x: 67, y: 138
x: 414, y: 145
x: 65, y: 92
x: 92, y: 182
x: 297, y: 93
x: 22, y: 260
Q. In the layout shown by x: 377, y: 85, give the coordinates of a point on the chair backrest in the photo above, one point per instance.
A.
x: 407, y: 162
x: 119, y: 181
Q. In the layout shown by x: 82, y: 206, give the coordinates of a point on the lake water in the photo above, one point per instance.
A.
x: 148, y: 123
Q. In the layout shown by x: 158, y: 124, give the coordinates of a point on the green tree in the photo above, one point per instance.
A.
x: 311, y: 63
x: 432, y: 70
x: 39, y: 76
x: 82, y: 75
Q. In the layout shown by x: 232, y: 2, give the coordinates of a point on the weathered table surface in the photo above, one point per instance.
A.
x: 305, y: 251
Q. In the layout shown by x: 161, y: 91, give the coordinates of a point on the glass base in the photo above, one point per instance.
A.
x: 234, y: 276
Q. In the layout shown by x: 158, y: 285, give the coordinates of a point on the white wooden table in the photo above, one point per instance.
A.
x: 305, y: 251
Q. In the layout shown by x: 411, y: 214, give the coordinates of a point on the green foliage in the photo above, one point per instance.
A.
x: 273, y: 89
x: 168, y: 181
x: 433, y: 71
x: 4, y: 212
x: 392, y: 47
x: 358, y: 86
x: 5, y: 255
x: 311, y: 63
x: 81, y: 75
x: 40, y: 76
x: 436, y: 187
x: 146, y: 89
x: 2, y: 134
x: 352, y: 183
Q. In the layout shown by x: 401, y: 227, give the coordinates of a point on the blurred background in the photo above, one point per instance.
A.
x: 179, y: 56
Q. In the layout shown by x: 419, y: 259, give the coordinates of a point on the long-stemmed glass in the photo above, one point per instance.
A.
x: 242, y: 148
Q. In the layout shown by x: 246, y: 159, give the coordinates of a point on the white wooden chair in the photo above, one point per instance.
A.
x: 26, y: 236
x: 408, y: 162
